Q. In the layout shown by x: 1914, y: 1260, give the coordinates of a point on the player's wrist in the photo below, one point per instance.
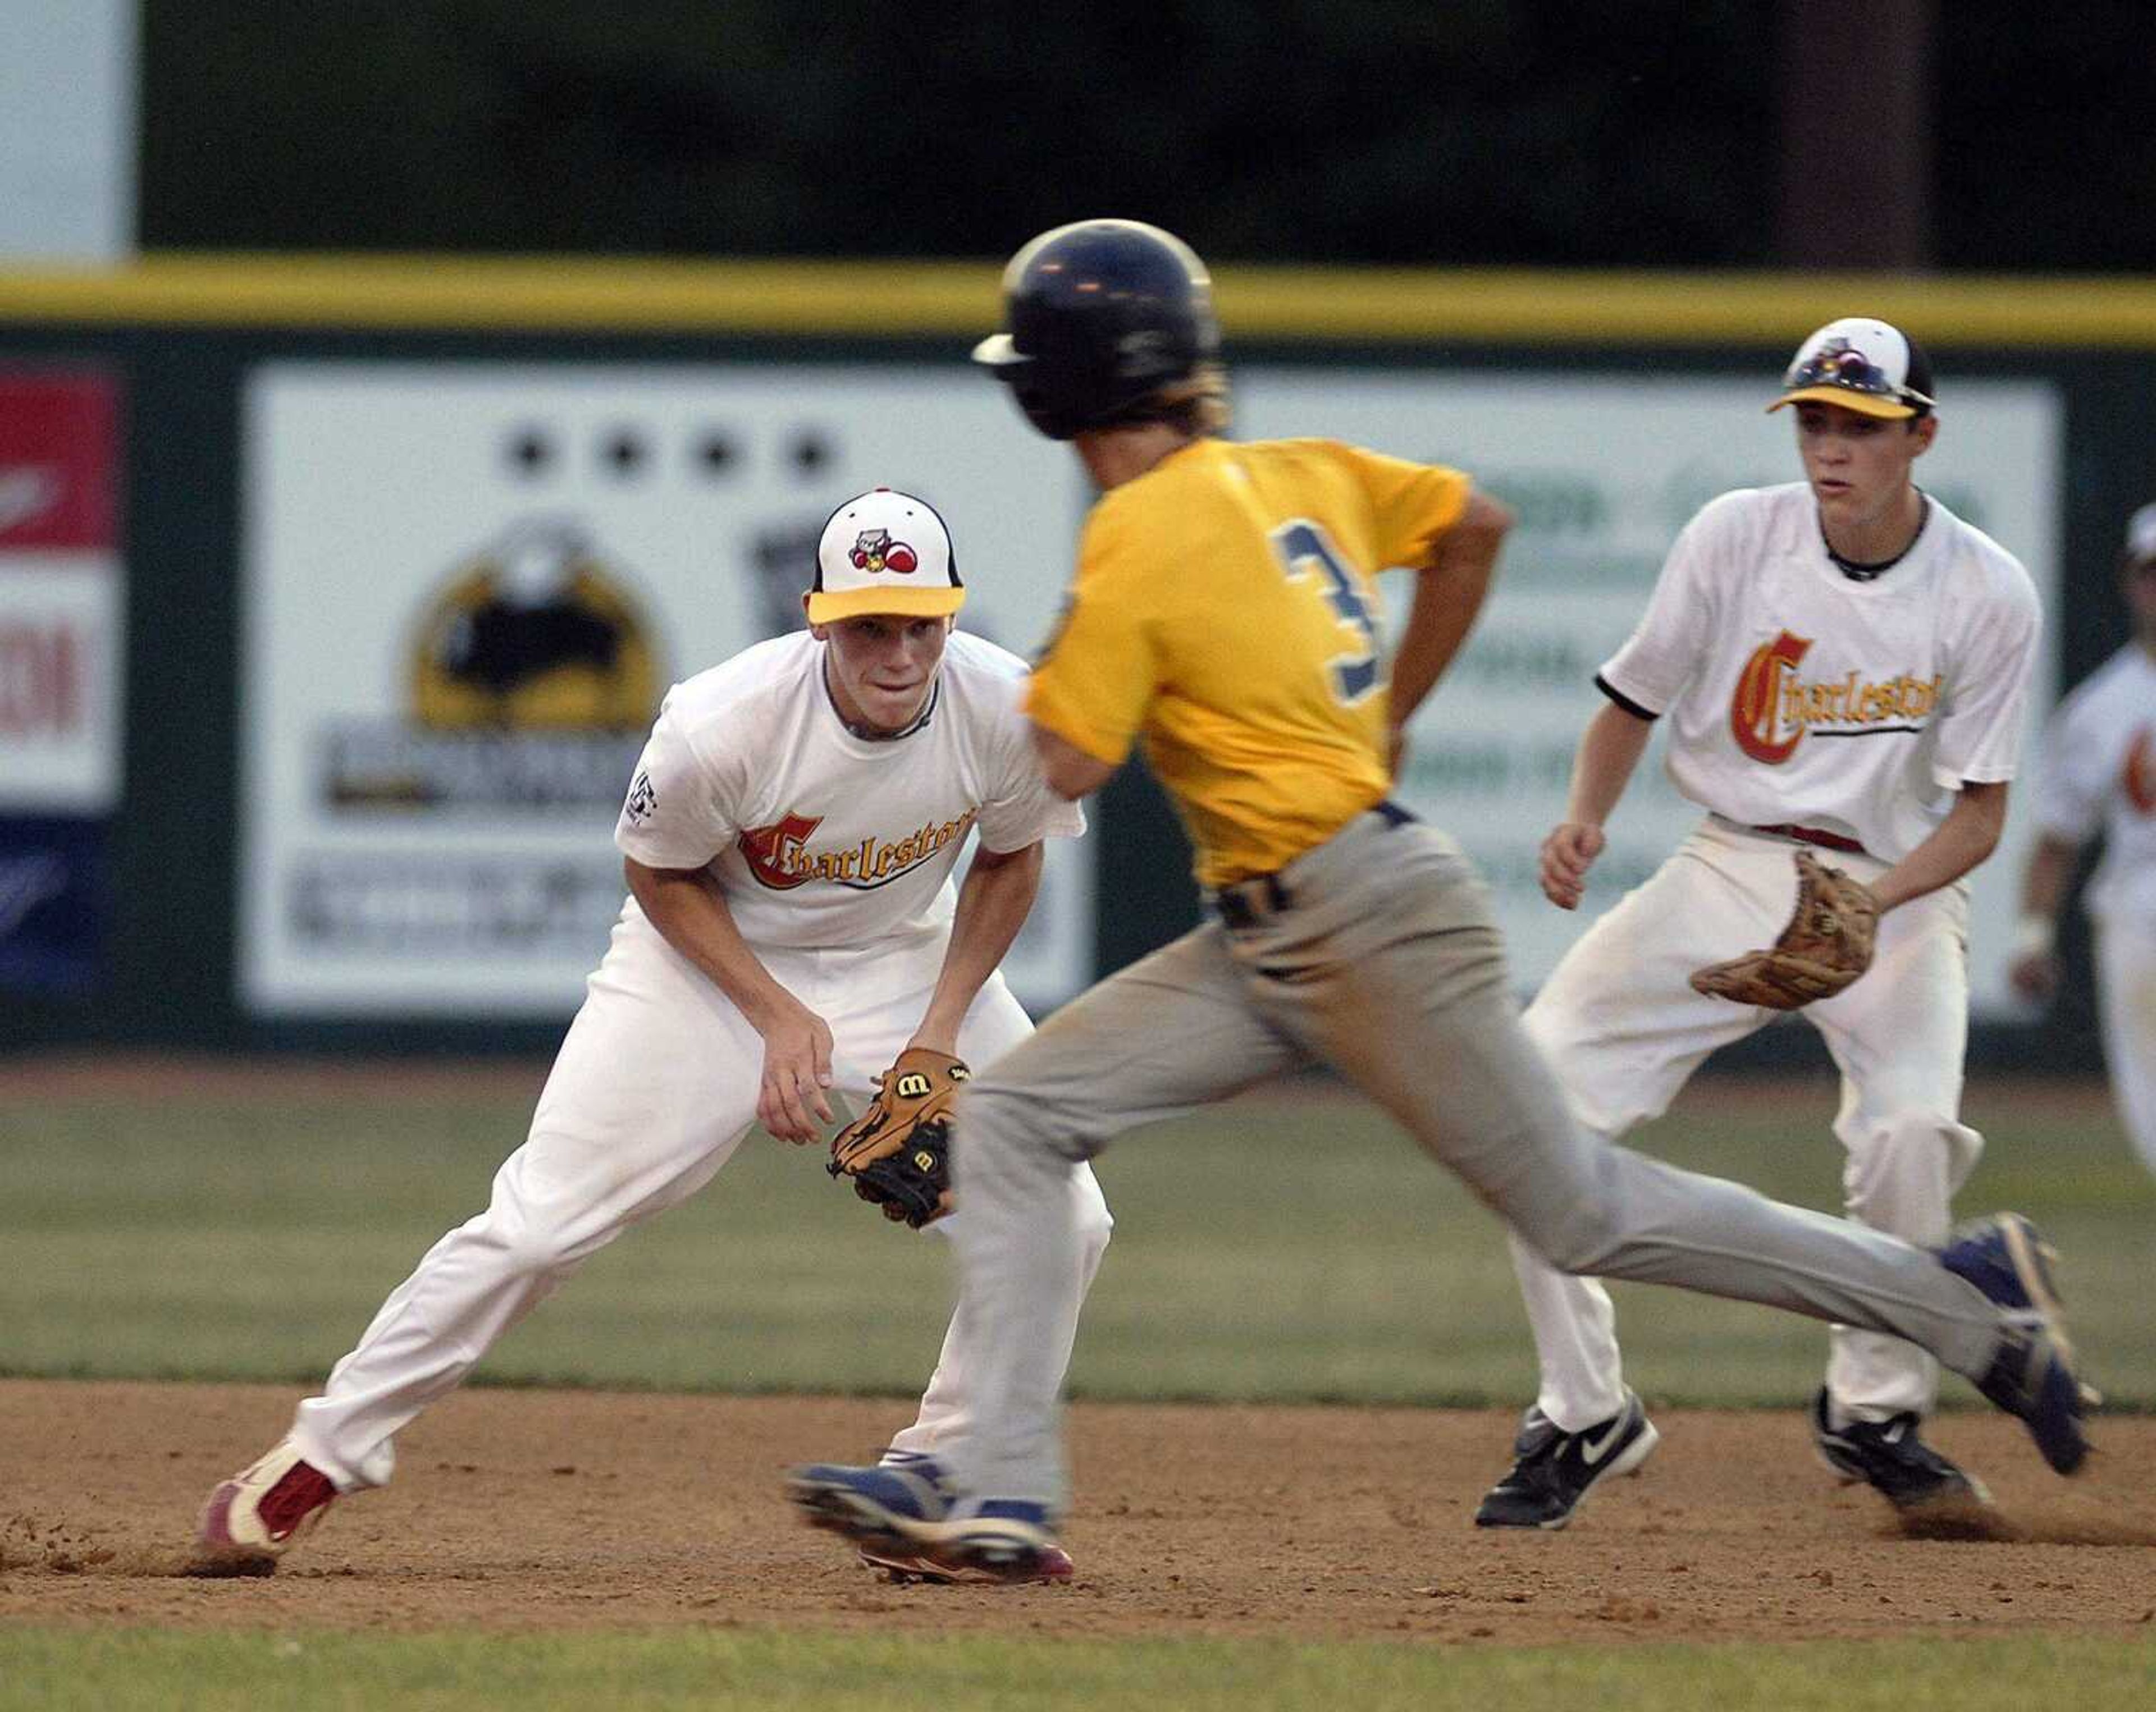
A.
x: 937, y: 1040
x: 769, y: 1012
x: 2034, y: 935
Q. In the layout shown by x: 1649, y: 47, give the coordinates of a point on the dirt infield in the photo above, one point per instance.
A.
x: 526, y: 1509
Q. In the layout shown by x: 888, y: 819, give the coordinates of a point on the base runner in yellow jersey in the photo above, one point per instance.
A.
x: 1224, y: 615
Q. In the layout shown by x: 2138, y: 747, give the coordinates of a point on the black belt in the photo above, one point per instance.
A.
x: 1247, y: 902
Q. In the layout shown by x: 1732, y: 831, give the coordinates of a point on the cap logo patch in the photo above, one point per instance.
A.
x: 1839, y: 363
x: 875, y: 550
x: 1843, y: 362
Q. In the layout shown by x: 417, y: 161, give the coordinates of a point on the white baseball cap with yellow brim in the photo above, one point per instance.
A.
x: 887, y: 554
x: 1860, y: 365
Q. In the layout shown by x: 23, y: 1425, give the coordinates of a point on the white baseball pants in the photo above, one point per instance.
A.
x: 1622, y: 1031
x: 654, y: 1088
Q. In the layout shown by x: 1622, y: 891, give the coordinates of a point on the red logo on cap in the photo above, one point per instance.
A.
x: 874, y: 551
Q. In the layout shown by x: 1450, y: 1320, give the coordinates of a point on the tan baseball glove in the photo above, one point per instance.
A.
x: 1826, y: 945
x: 897, y: 1152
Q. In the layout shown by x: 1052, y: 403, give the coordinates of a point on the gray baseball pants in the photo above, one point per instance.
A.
x: 1376, y: 954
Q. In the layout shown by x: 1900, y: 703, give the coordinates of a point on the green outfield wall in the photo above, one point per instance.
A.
x: 269, y: 422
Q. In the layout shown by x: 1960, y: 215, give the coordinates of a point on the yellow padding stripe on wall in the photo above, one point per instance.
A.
x: 959, y: 299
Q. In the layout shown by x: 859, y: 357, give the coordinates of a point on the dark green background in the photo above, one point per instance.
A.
x: 1545, y: 132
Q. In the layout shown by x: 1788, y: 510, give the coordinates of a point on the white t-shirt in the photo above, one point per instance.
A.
x: 819, y: 839
x: 1796, y: 694
x: 2100, y: 774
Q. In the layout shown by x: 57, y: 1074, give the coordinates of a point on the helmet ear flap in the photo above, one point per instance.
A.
x: 1101, y: 317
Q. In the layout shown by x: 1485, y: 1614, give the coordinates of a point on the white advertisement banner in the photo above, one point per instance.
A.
x: 428, y: 820
x: 467, y: 588
x: 59, y: 681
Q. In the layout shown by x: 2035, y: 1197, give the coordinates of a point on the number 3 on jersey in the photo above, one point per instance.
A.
x: 1306, y: 550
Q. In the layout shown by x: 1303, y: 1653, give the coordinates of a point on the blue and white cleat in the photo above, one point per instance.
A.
x: 888, y: 1507
x: 2032, y: 1376
x: 1002, y: 1539
x: 900, y: 1516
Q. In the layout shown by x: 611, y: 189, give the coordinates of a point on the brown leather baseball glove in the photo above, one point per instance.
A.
x: 1826, y: 945
x: 897, y: 1152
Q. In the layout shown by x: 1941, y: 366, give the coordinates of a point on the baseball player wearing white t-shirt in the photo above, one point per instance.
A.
x: 1841, y: 663
x: 792, y: 926
x: 2099, y: 775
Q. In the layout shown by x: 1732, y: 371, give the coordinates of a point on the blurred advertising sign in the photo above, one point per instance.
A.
x: 61, y: 600
x: 467, y: 587
x: 429, y: 799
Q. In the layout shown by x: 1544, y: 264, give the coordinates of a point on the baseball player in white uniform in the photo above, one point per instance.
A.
x: 2099, y: 775
x: 1842, y: 665
x: 792, y: 926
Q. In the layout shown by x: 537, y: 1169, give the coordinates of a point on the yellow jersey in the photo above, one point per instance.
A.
x: 1225, y: 610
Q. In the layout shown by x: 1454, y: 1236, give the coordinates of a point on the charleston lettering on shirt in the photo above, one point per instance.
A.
x: 1772, y: 710
x: 779, y: 856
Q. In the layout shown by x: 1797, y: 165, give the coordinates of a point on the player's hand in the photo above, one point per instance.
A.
x: 790, y: 1102
x: 1396, y: 750
x: 1568, y: 853
x: 2035, y: 974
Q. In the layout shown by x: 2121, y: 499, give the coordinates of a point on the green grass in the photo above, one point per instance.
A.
x: 1283, y: 1250
x: 777, y: 1671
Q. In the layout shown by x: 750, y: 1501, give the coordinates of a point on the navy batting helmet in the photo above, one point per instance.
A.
x: 1101, y: 316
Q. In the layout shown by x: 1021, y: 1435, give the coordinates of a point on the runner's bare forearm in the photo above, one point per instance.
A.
x: 1448, y: 593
